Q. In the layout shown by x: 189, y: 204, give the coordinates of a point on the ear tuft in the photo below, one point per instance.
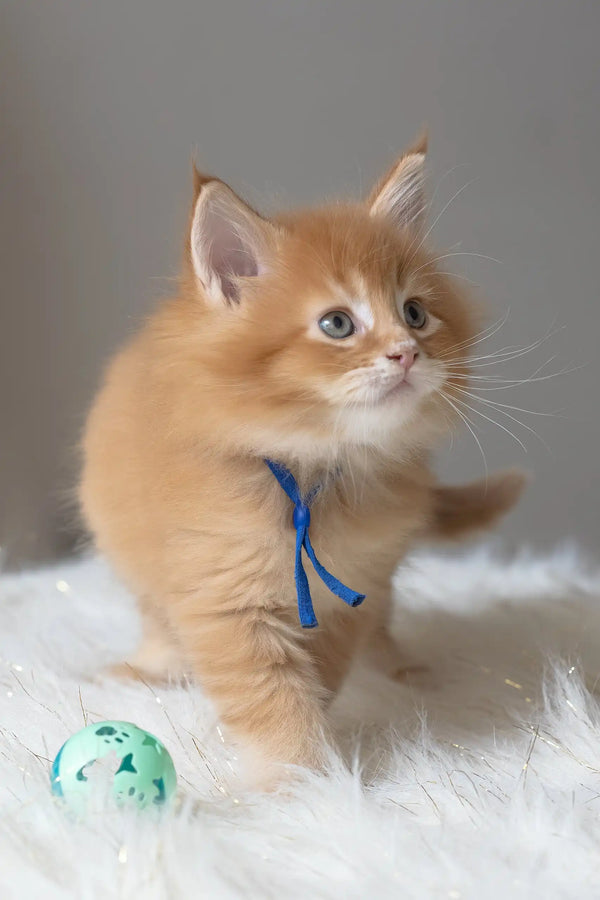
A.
x: 199, y: 179
x: 228, y: 240
x: 400, y: 195
x: 421, y: 143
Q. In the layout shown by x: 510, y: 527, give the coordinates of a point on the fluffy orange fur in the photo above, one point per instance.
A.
x: 236, y: 368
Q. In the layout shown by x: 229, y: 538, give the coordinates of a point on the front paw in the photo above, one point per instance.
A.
x: 417, y: 676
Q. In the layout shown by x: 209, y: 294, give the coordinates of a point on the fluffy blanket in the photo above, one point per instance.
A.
x: 476, y: 778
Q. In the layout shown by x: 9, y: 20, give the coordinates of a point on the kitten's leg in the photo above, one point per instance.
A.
x: 384, y: 654
x: 333, y: 647
x: 459, y: 511
x: 158, y: 657
x: 262, y: 679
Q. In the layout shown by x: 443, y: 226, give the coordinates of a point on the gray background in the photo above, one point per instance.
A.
x: 103, y: 104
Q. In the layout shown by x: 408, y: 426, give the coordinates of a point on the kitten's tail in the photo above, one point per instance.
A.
x: 459, y: 511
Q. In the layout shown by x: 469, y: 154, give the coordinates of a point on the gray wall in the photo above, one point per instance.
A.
x: 104, y: 102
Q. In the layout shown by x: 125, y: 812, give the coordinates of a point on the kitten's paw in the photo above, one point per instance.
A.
x: 126, y: 671
x: 122, y: 671
x: 267, y: 775
x: 417, y: 676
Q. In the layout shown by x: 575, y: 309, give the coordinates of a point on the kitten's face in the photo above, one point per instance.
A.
x: 336, y: 332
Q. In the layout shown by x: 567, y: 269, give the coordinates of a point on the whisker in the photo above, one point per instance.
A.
x: 441, y: 181
x: 511, y: 350
x: 497, y: 354
x: 503, y: 412
x: 500, y: 406
x: 543, y: 366
x: 504, y: 384
x: 468, y: 424
x: 505, y: 355
x: 493, y: 421
x: 481, y: 336
x: 458, y: 275
x: 430, y: 262
x: 439, y: 216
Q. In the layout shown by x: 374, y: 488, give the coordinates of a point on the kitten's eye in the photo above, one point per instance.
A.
x: 337, y: 325
x: 414, y: 314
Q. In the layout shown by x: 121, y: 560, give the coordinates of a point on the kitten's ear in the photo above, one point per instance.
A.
x: 228, y: 240
x: 400, y: 195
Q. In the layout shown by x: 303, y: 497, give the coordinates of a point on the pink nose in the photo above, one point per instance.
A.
x: 406, y: 358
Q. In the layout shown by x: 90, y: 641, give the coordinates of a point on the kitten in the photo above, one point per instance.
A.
x: 326, y: 342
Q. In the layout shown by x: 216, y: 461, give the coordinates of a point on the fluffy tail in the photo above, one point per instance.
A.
x: 459, y: 511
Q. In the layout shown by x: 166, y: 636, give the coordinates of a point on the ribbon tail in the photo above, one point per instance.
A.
x: 305, y: 606
x: 352, y: 598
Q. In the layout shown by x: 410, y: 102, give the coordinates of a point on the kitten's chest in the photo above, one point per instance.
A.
x: 361, y: 540
x: 364, y: 532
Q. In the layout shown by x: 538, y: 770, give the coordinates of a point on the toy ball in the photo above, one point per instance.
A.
x: 142, y: 771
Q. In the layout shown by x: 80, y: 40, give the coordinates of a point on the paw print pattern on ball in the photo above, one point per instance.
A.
x: 144, y: 774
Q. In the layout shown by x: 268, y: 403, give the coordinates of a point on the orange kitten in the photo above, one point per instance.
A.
x: 326, y: 342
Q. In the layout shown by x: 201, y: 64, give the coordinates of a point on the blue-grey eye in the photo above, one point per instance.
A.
x: 337, y: 324
x: 414, y: 314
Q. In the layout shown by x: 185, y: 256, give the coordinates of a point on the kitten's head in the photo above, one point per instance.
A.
x: 324, y: 330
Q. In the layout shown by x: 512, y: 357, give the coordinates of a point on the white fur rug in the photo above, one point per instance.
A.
x: 478, y: 780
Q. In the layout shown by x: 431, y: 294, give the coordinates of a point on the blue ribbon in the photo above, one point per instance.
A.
x: 301, y: 519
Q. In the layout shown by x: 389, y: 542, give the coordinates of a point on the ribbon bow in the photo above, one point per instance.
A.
x: 301, y: 519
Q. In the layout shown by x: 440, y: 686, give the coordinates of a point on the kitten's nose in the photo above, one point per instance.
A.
x: 406, y: 357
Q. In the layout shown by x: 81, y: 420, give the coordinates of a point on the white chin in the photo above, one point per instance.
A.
x: 402, y: 392
x: 380, y: 421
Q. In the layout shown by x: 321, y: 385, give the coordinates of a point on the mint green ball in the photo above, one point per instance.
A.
x: 144, y: 771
